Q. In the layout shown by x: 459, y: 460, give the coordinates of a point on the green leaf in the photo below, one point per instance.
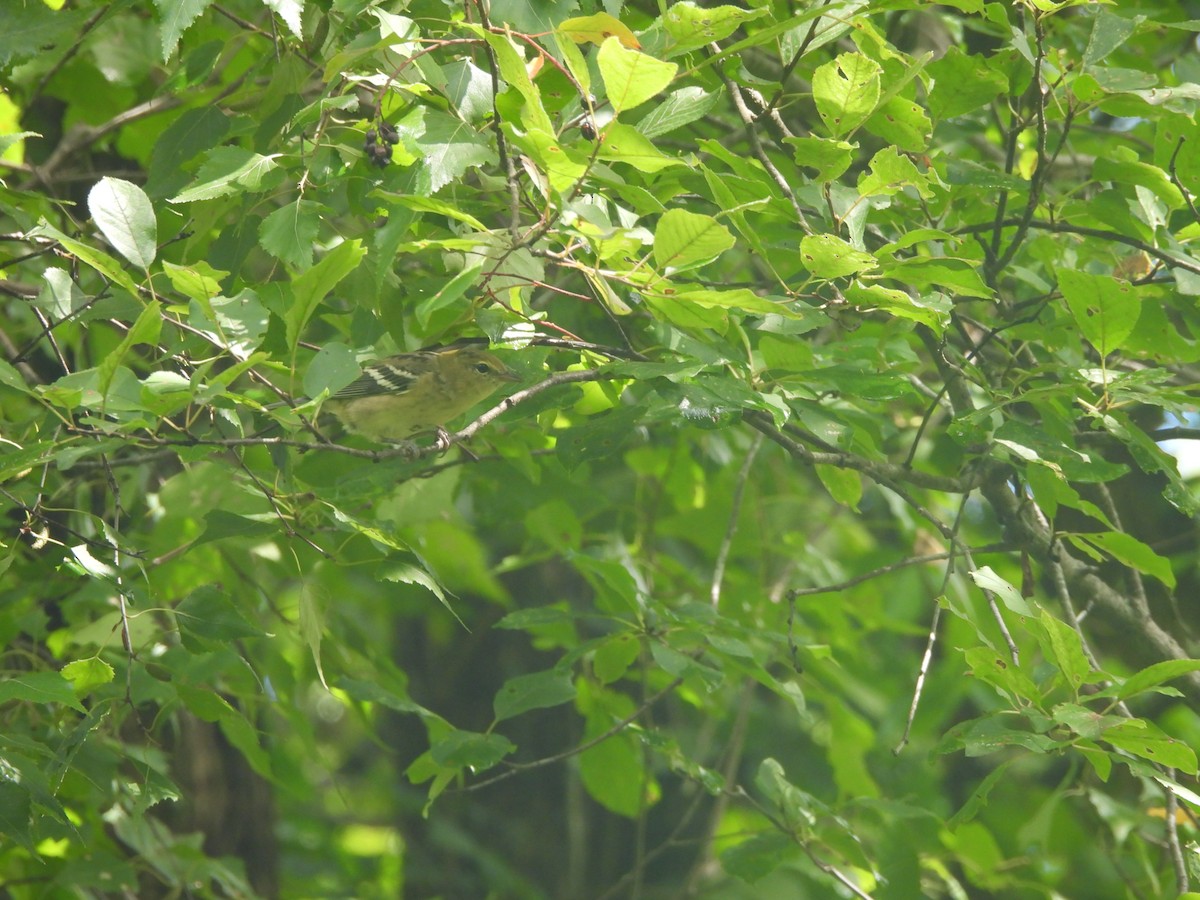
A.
x: 623, y: 143
x: 612, y: 659
x: 144, y: 331
x: 957, y: 276
x: 289, y: 233
x: 691, y: 26
x: 562, y: 165
x: 1145, y: 739
x: 471, y: 750
x: 539, y: 690
x: 988, y: 580
x: 1105, y: 309
x: 212, y: 707
x: 1109, y: 32
x: 596, y: 29
x: 221, y: 525
x: 831, y: 158
x: 16, y: 805
x: 962, y: 84
x: 43, y: 688
x: 89, y: 256
x: 208, y: 618
x: 37, y: 26
x: 1150, y: 677
x: 828, y: 256
x: 1128, y: 169
x: 513, y: 71
x: 742, y: 299
x: 890, y: 173
x: 1129, y: 551
x: 310, y: 288
x: 174, y: 18
x: 931, y: 309
x: 600, y: 437
x: 199, y: 281
x: 902, y: 122
x: 86, y: 675
x: 991, y: 668
x: 228, y: 170
x: 448, y: 148
x: 979, y: 797
x: 631, y: 78
x: 614, y: 774
x: 685, y: 239
x: 759, y: 855
x: 846, y: 91
x: 844, y: 485
x: 237, y: 324
x: 1061, y: 644
x: 981, y: 737
x: 537, y: 617
x: 405, y: 572
x: 678, y: 108
x: 124, y: 215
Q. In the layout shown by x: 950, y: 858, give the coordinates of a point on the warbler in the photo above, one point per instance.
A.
x: 402, y: 395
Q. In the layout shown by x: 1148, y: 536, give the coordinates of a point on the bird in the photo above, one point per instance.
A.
x: 397, y: 397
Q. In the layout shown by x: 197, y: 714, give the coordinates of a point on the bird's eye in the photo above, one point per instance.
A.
x: 483, y: 368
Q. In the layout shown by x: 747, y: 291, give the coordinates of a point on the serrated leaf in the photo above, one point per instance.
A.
x: 677, y: 109
x: 125, y: 216
x: 409, y: 573
x: 174, y: 18
x: 208, y: 618
x: 290, y: 12
x: 86, y: 675
x: 289, y: 233
x: 228, y: 170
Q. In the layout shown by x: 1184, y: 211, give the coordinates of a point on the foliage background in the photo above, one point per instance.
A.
x: 842, y: 324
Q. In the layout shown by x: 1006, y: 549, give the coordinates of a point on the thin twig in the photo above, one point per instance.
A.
x: 515, y: 768
x: 738, y: 492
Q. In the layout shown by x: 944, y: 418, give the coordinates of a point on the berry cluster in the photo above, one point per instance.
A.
x: 380, y: 154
